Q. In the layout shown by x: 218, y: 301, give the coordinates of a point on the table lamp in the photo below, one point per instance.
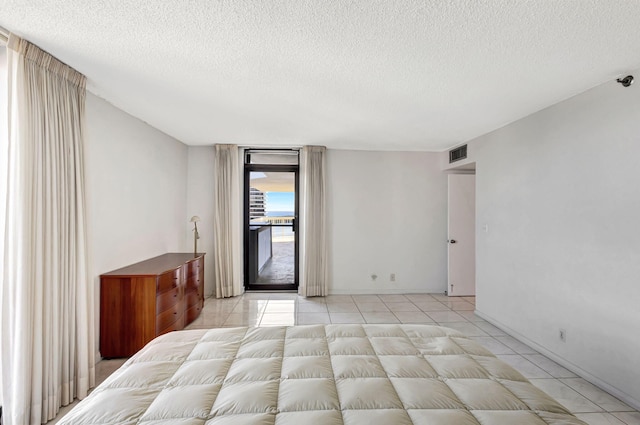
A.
x: 195, y: 219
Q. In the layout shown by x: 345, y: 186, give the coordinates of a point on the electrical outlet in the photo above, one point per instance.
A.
x: 563, y: 335
x: 392, y: 278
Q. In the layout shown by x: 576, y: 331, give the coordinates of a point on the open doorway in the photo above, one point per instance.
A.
x: 270, y: 219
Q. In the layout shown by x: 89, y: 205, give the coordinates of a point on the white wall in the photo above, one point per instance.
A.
x: 136, y: 181
x: 200, y: 202
x: 386, y: 214
x: 560, y: 191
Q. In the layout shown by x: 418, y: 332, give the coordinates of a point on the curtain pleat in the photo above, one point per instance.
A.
x: 227, y: 222
x: 314, y: 258
x: 48, y: 340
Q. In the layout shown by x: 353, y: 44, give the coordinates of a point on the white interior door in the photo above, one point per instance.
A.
x: 462, y: 235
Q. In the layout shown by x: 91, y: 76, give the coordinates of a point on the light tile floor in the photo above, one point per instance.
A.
x: 586, y: 401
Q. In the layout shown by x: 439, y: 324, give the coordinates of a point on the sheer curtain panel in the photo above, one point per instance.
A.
x: 47, y: 298
x: 314, y: 265
x: 227, y: 222
x: 3, y: 171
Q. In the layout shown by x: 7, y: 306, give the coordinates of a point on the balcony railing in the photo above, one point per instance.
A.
x: 271, y: 250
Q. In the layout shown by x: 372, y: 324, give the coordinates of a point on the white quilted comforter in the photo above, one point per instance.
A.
x: 324, y: 374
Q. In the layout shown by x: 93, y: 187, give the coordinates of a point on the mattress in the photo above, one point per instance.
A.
x: 321, y: 374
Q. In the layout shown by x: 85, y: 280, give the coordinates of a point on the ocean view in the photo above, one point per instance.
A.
x: 279, y: 213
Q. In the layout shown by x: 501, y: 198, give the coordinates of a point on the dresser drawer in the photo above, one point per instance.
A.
x: 193, y: 268
x: 168, y: 299
x: 168, y: 280
x: 193, y: 282
x: 166, y: 318
x: 193, y: 298
x: 175, y: 326
x: 192, y: 313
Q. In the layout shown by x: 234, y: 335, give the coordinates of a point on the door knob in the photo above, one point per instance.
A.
x: 452, y: 241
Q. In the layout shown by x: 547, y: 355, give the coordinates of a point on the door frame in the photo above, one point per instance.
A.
x: 283, y: 168
x: 451, y: 241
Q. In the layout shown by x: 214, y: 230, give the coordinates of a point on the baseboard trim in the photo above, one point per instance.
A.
x: 385, y: 291
x: 632, y: 402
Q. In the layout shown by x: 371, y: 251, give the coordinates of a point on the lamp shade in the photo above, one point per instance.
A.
x: 195, y: 219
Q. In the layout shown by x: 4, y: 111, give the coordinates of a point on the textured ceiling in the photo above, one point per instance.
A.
x: 352, y: 74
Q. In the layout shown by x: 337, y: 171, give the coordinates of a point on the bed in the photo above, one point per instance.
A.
x: 319, y: 374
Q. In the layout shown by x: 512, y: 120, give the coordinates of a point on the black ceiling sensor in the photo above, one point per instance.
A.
x: 626, y: 81
x: 457, y: 154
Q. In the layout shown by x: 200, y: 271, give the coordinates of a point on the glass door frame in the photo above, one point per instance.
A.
x: 284, y: 168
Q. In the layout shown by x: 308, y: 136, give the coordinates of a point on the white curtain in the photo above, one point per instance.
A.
x: 3, y: 169
x: 48, y: 349
x: 314, y: 256
x: 227, y: 222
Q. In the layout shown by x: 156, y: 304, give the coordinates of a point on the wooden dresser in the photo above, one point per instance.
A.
x: 147, y: 299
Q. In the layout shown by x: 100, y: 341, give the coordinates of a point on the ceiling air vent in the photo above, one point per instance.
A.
x: 457, y: 154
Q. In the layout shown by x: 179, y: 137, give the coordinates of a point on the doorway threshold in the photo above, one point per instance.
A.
x: 284, y: 291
